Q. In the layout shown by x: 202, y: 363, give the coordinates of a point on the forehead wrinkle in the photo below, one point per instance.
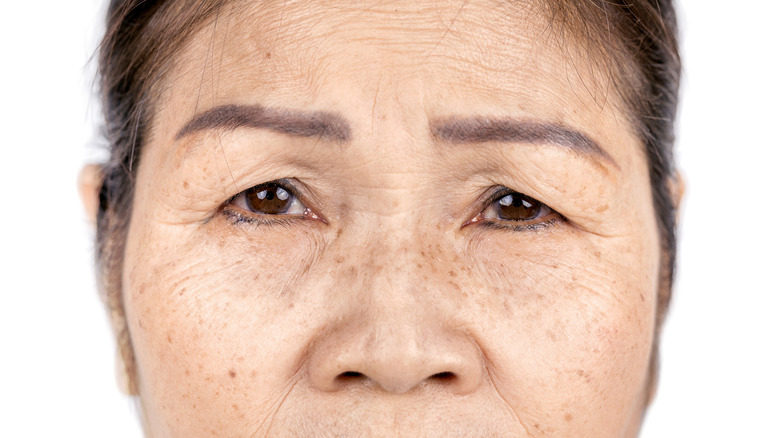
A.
x: 305, y: 71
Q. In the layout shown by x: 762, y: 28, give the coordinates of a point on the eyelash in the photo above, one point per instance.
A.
x: 245, y: 217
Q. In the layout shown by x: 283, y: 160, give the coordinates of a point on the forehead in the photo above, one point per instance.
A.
x: 376, y: 60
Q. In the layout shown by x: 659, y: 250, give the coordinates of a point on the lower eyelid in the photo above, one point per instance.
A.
x: 239, y: 219
x: 508, y: 226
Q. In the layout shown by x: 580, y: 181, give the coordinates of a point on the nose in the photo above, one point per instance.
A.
x: 396, y: 346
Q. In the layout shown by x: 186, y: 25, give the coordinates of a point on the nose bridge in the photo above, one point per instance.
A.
x: 403, y: 270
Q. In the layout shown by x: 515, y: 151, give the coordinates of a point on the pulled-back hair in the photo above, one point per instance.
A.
x: 634, y: 41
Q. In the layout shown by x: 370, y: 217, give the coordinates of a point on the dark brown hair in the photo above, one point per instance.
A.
x: 636, y: 40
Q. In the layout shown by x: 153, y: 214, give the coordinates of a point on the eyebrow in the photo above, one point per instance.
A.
x: 321, y: 124
x: 459, y: 130
x: 455, y: 130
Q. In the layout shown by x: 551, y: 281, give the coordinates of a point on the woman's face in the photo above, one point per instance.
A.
x: 402, y: 219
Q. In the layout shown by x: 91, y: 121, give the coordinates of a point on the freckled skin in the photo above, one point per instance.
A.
x: 390, y: 317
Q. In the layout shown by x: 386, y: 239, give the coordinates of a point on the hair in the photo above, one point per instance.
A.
x: 635, y: 39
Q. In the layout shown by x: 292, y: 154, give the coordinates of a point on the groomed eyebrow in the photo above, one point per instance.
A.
x: 458, y: 130
x: 327, y: 126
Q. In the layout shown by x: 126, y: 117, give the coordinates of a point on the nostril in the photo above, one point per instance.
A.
x: 445, y: 376
x: 349, y: 376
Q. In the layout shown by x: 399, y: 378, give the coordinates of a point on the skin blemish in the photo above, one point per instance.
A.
x: 142, y: 289
x: 584, y: 375
x: 232, y: 374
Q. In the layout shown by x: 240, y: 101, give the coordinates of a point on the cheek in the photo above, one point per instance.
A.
x: 215, y: 323
x: 575, y: 331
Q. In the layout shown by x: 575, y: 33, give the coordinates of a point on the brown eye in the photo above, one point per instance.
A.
x: 517, y: 207
x: 269, y: 199
x: 514, y: 207
x: 269, y: 202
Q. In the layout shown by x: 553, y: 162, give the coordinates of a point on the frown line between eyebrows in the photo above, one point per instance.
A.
x: 459, y: 130
x: 327, y: 126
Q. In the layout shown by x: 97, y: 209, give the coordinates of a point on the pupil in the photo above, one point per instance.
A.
x: 268, y: 199
x: 517, y: 207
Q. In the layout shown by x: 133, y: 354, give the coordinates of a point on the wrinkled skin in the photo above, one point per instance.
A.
x: 388, y: 311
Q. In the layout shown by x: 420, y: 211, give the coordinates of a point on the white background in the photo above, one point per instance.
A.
x: 720, y: 347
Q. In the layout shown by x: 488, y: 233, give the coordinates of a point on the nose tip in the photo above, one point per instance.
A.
x: 388, y: 362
